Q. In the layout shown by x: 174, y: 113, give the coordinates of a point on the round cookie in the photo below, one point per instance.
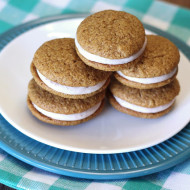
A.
x: 158, y: 66
x: 109, y: 40
x: 57, y: 110
x: 144, y: 103
x: 57, y: 68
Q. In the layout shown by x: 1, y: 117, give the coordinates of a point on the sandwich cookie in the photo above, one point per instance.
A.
x: 57, y: 68
x: 109, y: 40
x: 57, y: 110
x: 144, y: 103
x: 158, y: 66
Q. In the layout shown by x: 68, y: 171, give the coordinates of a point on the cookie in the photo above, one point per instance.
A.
x: 109, y: 40
x: 144, y: 103
x: 57, y: 110
x: 57, y: 68
x: 158, y: 66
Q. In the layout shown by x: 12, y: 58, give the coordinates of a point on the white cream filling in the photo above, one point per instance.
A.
x: 68, y: 89
x: 70, y: 117
x: 143, y: 109
x: 149, y: 80
x: 103, y: 60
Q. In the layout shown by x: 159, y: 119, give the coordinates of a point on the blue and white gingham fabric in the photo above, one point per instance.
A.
x: 167, y: 17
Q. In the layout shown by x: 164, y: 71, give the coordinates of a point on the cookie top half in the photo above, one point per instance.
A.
x: 111, y: 34
x: 58, y: 61
x: 146, y: 97
x: 160, y: 57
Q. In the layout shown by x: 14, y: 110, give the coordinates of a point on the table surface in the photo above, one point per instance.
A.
x: 4, y: 187
x: 168, y: 17
x: 183, y: 3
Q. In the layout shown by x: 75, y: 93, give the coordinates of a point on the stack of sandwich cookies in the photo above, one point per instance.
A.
x: 70, y: 76
x: 57, y: 110
x: 64, y: 90
x: 109, y: 40
x: 148, y: 88
x: 57, y: 68
x: 144, y: 103
x: 158, y: 66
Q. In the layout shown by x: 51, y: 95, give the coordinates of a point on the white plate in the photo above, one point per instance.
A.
x: 110, y: 132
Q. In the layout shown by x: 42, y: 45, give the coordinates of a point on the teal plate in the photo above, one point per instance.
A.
x: 93, y: 166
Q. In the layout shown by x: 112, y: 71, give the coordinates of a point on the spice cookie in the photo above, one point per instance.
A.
x: 57, y: 110
x: 109, y: 40
x: 158, y: 66
x: 144, y: 103
x: 57, y: 68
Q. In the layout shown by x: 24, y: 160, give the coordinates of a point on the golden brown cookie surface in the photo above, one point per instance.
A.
x: 111, y: 34
x: 160, y: 57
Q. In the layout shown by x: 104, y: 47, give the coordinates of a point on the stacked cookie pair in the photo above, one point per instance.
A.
x: 64, y: 90
x: 144, y: 83
x: 148, y: 88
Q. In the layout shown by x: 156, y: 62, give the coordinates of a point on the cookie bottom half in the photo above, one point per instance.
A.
x: 45, y: 87
x: 120, y: 108
x: 143, y: 86
x: 46, y: 119
x: 106, y: 67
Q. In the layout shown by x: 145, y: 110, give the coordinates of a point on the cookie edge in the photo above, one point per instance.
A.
x: 133, y: 84
x: 106, y: 67
x: 46, y: 119
x: 45, y: 87
x: 120, y: 108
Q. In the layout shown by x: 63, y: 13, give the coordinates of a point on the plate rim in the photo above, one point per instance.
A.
x: 170, y: 162
x: 100, y: 176
x: 45, y: 20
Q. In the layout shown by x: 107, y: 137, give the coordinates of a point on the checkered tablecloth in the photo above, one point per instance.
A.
x: 167, y: 17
